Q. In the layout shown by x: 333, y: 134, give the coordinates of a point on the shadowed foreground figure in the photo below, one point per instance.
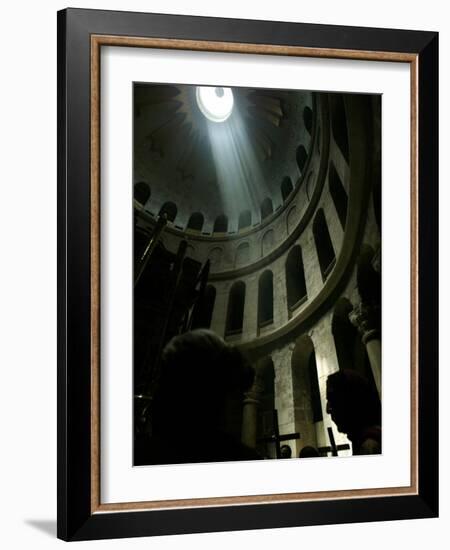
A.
x: 355, y: 408
x: 197, y: 409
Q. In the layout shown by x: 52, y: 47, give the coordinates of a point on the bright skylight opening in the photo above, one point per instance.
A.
x: 216, y: 103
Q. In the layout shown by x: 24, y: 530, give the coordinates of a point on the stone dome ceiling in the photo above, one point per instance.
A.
x: 219, y: 168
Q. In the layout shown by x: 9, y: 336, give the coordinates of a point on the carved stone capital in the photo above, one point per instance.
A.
x: 367, y: 319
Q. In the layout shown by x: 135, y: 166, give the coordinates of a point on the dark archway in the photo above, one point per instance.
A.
x: 264, y: 387
x: 295, y: 278
x: 338, y: 194
x: 170, y: 209
x: 286, y: 188
x: 196, y: 221
x: 266, y: 208
x: 265, y: 299
x: 324, y: 246
x: 142, y: 192
x: 367, y: 278
x: 221, y: 224
x: 351, y: 353
x: 301, y: 157
x: 236, y: 303
x: 339, y: 124
x: 204, y: 308
x: 308, y: 119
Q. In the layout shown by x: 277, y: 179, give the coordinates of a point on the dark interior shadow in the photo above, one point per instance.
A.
x: 47, y: 526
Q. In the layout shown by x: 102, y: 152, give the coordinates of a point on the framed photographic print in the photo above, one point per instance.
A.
x: 247, y: 209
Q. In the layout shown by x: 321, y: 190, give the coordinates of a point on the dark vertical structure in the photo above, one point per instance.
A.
x: 266, y: 208
x: 338, y: 194
x: 170, y: 209
x: 235, y: 314
x: 203, y: 311
x: 339, y: 124
x: 323, y: 243
x: 221, y: 224
x: 286, y: 188
x: 314, y: 388
x: 265, y: 299
x: 142, y: 192
x: 196, y: 221
x: 301, y: 157
x: 308, y: 119
x: 295, y: 278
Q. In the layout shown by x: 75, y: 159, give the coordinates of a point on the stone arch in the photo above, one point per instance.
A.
x: 338, y: 194
x: 242, y: 254
x: 267, y: 242
x: 190, y: 251
x: 324, y: 246
x: 196, y: 221
x: 286, y: 188
x: 309, y: 187
x: 142, y: 192
x: 265, y: 299
x: 170, y: 209
x: 305, y: 381
x: 296, y: 292
x: 204, y: 308
x: 292, y: 219
x: 235, y: 312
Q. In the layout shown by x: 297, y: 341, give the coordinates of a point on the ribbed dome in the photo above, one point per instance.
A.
x: 228, y: 174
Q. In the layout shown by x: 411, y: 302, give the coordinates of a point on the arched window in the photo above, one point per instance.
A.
x: 324, y: 246
x: 308, y: 119
x: 221, y: 224
x: 142, y: 192
x: 339, y: 124
x: 266, y: 208
x: 235, y: 314
x: 338, y: 194
x: 295, y: 278
x: 245, y: 219
x: 242, y: 254
x: 265, y: 299
x: 203, y: 310
x: 286, y: 188
x: 196, y: 221
x: 301, y: 157
x: 170, y: 209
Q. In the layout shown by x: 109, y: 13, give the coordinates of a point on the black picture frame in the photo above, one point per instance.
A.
x: 76, y: 518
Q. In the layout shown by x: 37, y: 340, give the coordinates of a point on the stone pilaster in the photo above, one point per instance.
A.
x: 366, y: 318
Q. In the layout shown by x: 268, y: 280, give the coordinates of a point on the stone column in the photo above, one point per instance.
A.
x: 250, y: 418
x: 285, y: 398
x: 250, y: 326
x: 366, y: 318
x: 219, y: 315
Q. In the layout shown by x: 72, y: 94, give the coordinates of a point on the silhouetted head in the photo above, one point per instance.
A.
x: 202, y: 378
x: 285, y: 451
x: 352, y: 402
x: 308, y: 452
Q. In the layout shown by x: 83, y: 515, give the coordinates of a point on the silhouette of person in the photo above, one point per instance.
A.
x: 197, y: 406
x: 285, y: 451
x: 355, y: 408
x: 308, y: 452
